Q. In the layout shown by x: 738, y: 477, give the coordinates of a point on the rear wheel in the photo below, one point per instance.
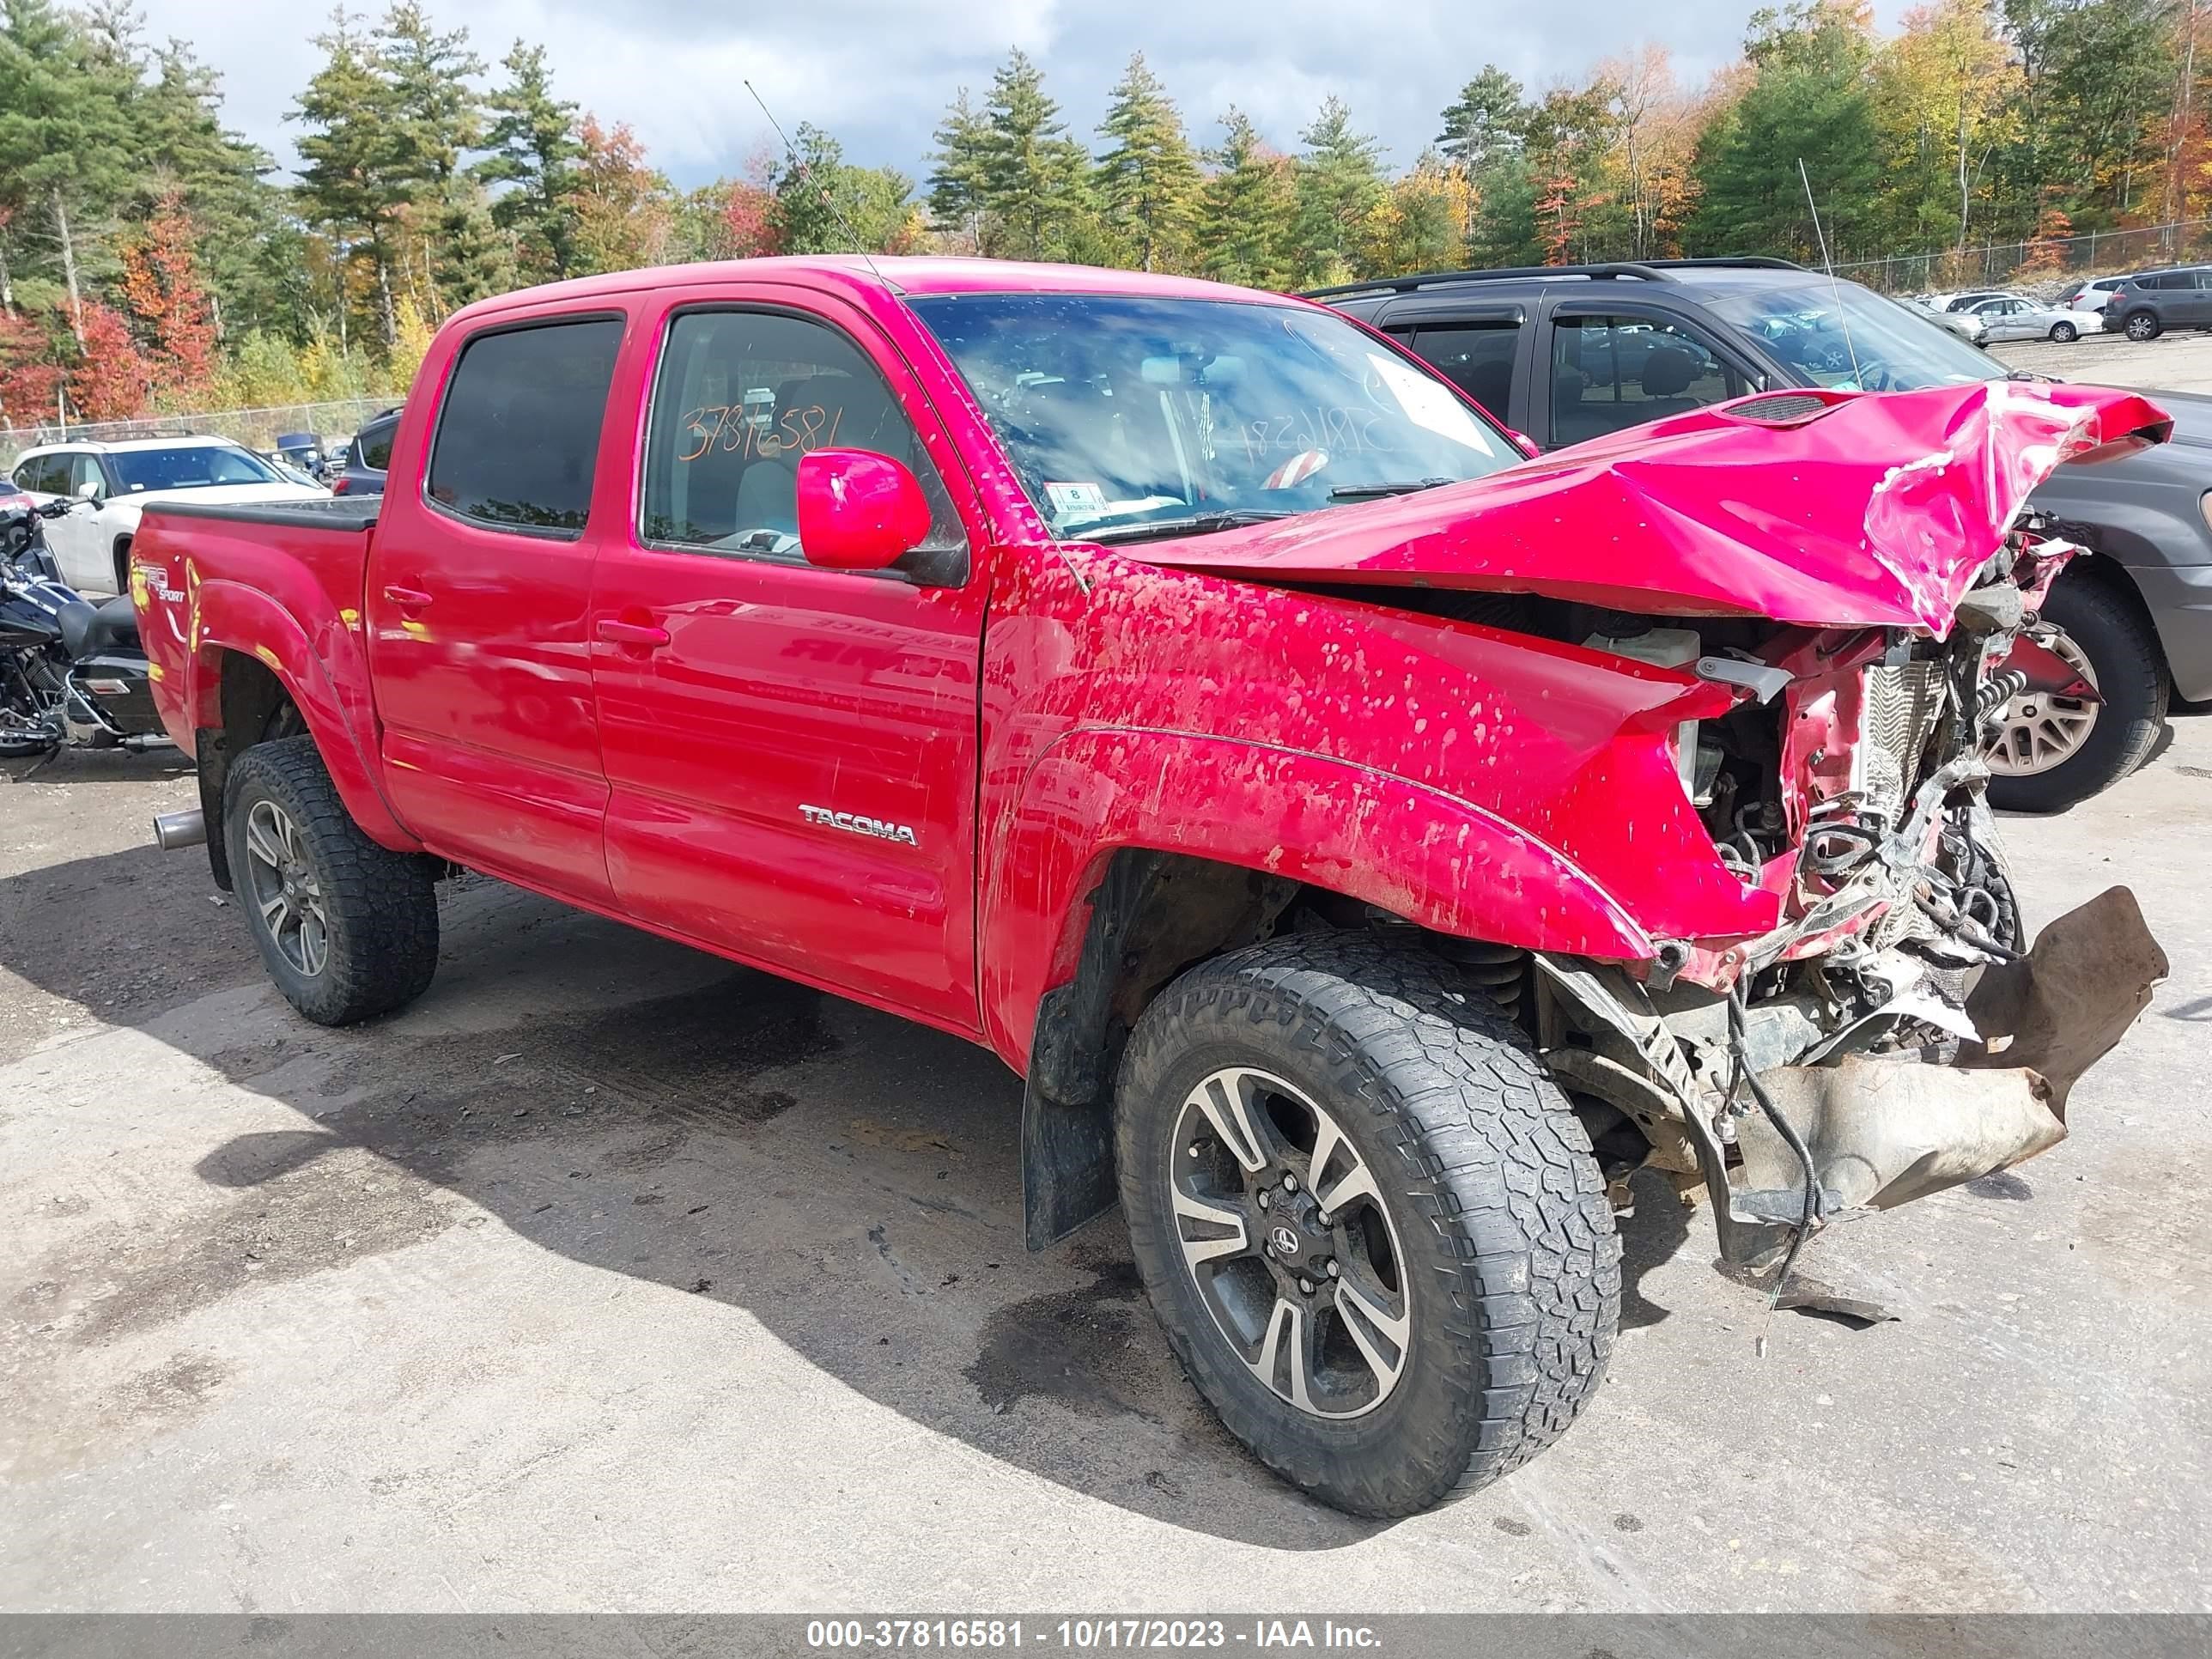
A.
x: 1369, y: 1223
x: 347, y: 929
x: 2142, y: 325
x: 2053, y: 750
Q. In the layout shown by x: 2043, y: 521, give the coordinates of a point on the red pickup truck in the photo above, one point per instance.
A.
x: 1371, y: 844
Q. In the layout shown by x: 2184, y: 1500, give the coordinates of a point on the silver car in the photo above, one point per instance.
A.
x: 2014, y: 318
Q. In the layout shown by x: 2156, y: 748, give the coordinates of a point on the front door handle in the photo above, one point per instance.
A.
x: 631, y: 634
x: 407, y: 598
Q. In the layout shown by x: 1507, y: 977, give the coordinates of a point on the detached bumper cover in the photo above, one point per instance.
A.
x: 1884, y: 1130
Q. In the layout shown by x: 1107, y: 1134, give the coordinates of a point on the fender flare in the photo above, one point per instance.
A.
x: 336, y: 707
x: 1406, y: 847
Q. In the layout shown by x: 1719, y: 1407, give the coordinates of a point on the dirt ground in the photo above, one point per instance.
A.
x: 612, y: 1277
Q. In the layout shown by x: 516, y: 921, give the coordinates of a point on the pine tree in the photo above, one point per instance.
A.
x: 1812, y: 98
x: 1032, y: 174
x: 1245, y: 209
x: 436, y: 118
x: 534, y: 151
x: 1147, y: 183
x: 66, y: 141
x: 355, y: 184
x: 956, y: 179
x: 1490, y: 122
x: 824, y: 206
x: 1339, y: 184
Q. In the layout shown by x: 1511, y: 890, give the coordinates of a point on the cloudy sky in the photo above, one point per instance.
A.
x: 877, y: 73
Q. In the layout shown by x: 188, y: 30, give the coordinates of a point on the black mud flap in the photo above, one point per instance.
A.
x: 1067, y: 1166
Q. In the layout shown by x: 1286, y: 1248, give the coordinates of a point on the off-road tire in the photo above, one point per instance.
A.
x: 2141, y: 326
x: 2132, y: 681
x: 382, y: 906
x: 2064, y: 333
x: 1513, y: 1268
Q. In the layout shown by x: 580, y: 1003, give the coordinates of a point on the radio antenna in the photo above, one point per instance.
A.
x: 1835, y: 289
x: 791, y: 153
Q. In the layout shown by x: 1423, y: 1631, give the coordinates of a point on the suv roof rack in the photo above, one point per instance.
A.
x: 1649, y: 271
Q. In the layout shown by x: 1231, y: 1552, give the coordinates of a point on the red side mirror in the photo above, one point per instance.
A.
x: 858, y: 510
x: 1524, y: 443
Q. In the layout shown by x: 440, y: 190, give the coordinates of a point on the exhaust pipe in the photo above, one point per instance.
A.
x: 174, y: 829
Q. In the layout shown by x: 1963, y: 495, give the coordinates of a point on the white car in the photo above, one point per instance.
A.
x: 91, y: 543
x: 2012, y: 317
x: 2090, y: 296
x: 1959, y: 323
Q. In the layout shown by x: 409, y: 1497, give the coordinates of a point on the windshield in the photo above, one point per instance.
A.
x: 189, y: 466
x: 1851, y: 339
x: 1120, y: 413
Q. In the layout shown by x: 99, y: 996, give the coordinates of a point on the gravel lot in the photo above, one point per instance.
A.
x: 2174, y: 363
x: 612, y: 1277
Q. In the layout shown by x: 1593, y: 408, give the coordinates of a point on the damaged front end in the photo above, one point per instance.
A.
x: 1838, y: 1008
x: 1893, y: 1034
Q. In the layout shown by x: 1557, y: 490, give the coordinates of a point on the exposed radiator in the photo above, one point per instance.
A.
x: 1902, y: 706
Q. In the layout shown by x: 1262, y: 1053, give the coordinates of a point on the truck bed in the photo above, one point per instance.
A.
x: 339, y: 513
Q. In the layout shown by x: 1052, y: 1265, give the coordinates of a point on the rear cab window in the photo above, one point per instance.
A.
x: 518, y: 435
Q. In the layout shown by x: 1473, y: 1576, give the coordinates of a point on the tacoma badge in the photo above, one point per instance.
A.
x: 859, y: 824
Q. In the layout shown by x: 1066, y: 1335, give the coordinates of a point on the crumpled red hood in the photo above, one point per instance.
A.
x: 1870, y: 509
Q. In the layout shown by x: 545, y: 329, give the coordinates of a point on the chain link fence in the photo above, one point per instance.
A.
x: 257, y: 429
x: 2052, y: 262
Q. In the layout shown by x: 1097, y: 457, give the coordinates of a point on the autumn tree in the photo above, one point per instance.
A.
x: 30, y: 377
x: 110, y: 378
x: 161, y: 288
x: 1946, y: 90
x: 621, y: 215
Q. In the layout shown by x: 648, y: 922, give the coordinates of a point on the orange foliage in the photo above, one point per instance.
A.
x: 110, y: 379
x: 162, y: 287
x: 30, y: 379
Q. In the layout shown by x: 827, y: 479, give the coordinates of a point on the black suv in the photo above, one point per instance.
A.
x: 2144, y: 305
x: 1568, y: 353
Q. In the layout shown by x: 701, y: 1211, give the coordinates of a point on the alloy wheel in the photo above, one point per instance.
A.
x: 1283, y: 1230
x: 2039, y: 731
x: 286, y: 894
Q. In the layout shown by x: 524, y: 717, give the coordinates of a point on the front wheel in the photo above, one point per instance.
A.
x: 2053, y: 749
x: 1368, y: 1222
x: 2063, y: 332
x: 347, y: 929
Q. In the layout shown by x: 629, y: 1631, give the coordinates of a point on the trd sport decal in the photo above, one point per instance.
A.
x: 859, y: 824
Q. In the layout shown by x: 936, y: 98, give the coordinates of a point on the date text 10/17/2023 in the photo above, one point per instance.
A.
x: 1089, y: 1635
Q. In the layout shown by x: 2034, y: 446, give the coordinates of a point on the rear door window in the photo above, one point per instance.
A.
x: 46, y: 474
x: 376, y: 447
x: 519, y: 433
x: 1609, y: 372
x: 1476, y: 357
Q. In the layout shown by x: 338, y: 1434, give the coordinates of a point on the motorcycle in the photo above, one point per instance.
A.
x: 71, y: 672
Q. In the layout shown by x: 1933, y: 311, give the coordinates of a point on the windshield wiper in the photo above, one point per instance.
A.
x: 1197, y: 524
x: 1368, y: 491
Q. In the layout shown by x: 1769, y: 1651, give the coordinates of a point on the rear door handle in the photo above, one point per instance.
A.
x: 634, y: 633
x: 407, y: 598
